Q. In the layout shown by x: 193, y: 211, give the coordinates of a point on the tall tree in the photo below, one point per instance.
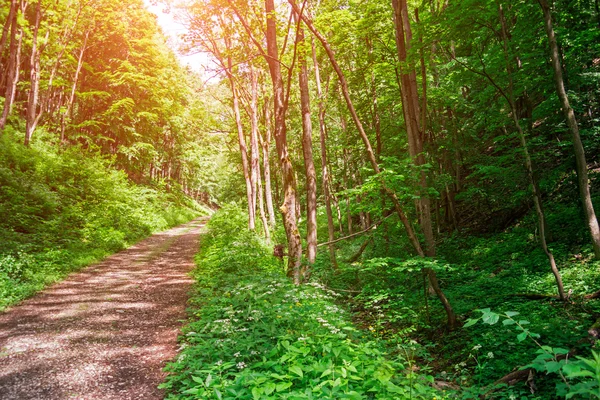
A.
x: 581, y: 163
x: 452, y: 321
x: 309, y: 165
x: 324, y: 159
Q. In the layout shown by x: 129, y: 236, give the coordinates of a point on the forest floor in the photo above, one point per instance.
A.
x: 105, y: 332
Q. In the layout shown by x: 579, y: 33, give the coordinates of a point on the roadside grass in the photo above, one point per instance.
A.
x: 254, y: 335
x: 503, y: 273
x: 62, y: 210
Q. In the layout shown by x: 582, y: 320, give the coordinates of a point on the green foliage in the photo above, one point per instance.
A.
x: 254, y: 335
x: 63, y: 209
x: 580, y: 377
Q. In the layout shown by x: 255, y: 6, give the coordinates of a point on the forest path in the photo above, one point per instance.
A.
x: 105, y: 332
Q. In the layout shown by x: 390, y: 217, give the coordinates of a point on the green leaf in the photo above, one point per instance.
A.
x: 508, y: 322
x: 552, y: 366
x: 511, y: 313
x: 297, y: 370
x: 270, y: 388
x: 283, y: 386
x: 470, y: 322
x: 490, y: 318
x: 521, y: 336
x: 571, y: 368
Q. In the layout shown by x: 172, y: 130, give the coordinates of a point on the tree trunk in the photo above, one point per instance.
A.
x: 267, y: 166
x: 242, y: 143
x: 412, y: 118
x: 14, y: 61
x: 7, y: 25
x: 261, y: 207
x: 309, y: 165
x: 581, y: 164
x: 369, y: 149
x: 537, y: 196
x: 67, y: 113
x: 34, y: 79
x: 288, y: 208
x: 324, y: 162
x: 254, y: 152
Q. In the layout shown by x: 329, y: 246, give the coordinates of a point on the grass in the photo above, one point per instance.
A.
x: 63, y: 209
x: 254, y: 335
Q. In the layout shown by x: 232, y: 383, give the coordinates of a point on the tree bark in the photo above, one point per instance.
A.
x: 581, y: 164
x: 412, y: 116
x: 309, y: 165
x: 254, y: 152
x: 288, y: 208
x: 266, y: 143
x: 34, y: 79
x: 7, y: 25
x: 242, y: 144
x: 14, y: 61
x: 537, y: 197
x: 67, y: 113
x: 324, y: 162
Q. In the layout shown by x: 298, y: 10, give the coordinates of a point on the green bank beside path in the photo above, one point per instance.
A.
x: 63, y: 209
x: 253, y: 335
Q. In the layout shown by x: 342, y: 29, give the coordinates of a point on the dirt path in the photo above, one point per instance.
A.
x: 104, y: 333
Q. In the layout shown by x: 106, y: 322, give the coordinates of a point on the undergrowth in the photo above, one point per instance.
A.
x: 62, y: 209
x: 254, y: 335
x: 506, y: 272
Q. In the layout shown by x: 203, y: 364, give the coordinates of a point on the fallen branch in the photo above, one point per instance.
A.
x: 595, y: 295
x: 517, y: 376
x: 359, y: 252
x: 355, y: 234
x: 535, y: 296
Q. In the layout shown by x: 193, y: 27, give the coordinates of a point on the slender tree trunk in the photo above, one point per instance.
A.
x: 309, y: 165
x: 412, y: 118
x: 267, y: 166
x: 254, y: 152
x: 369, y: 149
x: 34, y: 79
x: 14, y: 61
x: 537, y: 196
x: 261, y: 207
x: 242, y: 144
x: 581, y: 164
x: 66, y: 115
x: 288, y: 209
x: 324, y: 162
x: 7, y: 25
